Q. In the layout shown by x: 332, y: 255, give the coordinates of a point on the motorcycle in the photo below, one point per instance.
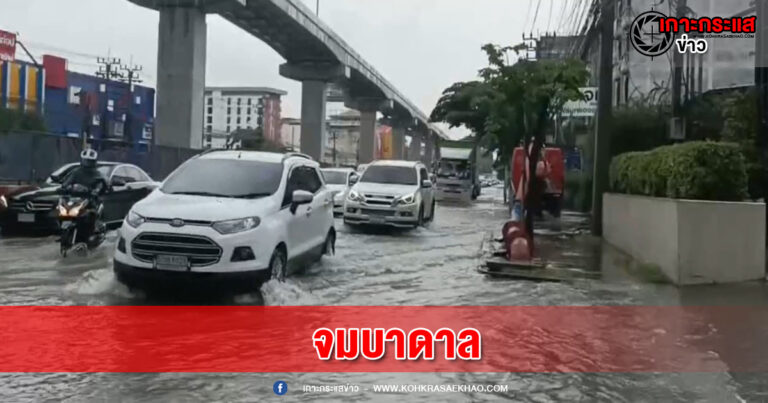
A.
x: 80, y: 221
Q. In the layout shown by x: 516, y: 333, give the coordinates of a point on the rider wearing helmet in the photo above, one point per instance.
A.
x: 87, y: 174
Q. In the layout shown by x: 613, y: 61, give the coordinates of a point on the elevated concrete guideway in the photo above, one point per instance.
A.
x: 314, y: 54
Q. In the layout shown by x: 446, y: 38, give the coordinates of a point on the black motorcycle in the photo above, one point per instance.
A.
x: 80, y: 222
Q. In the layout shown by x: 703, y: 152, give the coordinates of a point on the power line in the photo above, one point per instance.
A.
x: 45, y: 46
x: 549, y: 18
x: 562, y: 14
x: 569, y: 23
x: 527, y: 16
x: 536, y: 15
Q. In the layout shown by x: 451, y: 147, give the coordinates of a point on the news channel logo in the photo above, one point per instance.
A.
x: 280, y: 388
x: 646, y: 36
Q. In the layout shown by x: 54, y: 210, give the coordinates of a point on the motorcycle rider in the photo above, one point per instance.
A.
x: 88, y: 176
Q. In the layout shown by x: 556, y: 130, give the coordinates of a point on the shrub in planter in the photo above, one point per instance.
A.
x: 694, y: 170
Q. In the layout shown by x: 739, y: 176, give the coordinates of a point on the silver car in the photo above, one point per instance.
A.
x: 392, y: 193
x: 339, y: 181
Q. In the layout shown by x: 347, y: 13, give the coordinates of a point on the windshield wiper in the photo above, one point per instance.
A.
x: 252, y: 196
x: 200, y: 194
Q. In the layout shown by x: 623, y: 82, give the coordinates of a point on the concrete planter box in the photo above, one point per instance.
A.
x: 692, y: 241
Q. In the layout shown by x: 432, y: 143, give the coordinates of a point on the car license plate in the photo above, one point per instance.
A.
x: 26, y: 218
x: 378, y: 220
x: 172, y: 263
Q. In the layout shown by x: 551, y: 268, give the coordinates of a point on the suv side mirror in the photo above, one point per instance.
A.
x: 300, y: 197
x: 118, y: 182
x: 353, y: 180
x: 426, y: 184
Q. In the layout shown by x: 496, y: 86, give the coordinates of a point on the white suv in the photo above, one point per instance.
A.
x: 228, y: 218
x: 392, y: 193
x: 339, y: 180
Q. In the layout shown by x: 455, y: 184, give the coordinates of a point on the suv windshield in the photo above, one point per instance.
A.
x: 454, y: 169
x: 335, y: 177
x: 225, y: 178
x: 390, y: 175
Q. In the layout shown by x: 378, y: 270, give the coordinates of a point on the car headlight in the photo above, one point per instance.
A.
x: 355, y: 196
x: 408, y: 199
x: 75, y: 211
x: 3, y: 202
x: 235, y: 226
x: 134, y: 220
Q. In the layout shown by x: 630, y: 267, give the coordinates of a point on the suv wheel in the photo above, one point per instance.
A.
x: 277, y: 264
x: 330, y: 244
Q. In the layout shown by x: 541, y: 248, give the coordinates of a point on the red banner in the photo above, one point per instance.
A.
x: 286, y: 339
x: 7, y: 46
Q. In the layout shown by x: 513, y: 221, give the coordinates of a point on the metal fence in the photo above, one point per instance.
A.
x: 31, y: 157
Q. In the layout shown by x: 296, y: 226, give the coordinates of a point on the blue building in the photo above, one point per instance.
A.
x: 107, y: 111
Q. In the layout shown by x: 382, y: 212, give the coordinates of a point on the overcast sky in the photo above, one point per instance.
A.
x: 421, y: 46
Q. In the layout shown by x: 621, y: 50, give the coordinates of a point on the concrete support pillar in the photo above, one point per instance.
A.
x: 398, y: 143
x: 367, y: 145
x: 314, y: 79
x: 313, y: 118
x: 414, y: 153
x: 429, y: 150
x: 180, y: 77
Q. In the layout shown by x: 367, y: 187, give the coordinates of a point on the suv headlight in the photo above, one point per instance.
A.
x: 235, y: 226
x: 407, y: 199
x: 3, y: 202
x: 355, y: 196
x: 134, y: 220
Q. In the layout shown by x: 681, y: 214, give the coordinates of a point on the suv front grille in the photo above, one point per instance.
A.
x: 200, y: 250
x: 32, y: 205
x: 379, y: 200
x: 186, y: 222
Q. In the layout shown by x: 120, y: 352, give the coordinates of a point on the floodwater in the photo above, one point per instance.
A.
x: 435, y: 265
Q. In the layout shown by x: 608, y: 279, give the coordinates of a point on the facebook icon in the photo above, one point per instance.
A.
x: 280, y: 388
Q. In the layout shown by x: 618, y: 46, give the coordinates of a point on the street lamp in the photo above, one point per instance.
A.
x: 317, y: 7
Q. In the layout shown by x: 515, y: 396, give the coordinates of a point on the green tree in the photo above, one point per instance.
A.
x: 12, y: 119
x: 512, y: 105
x: 529, y: 94
x: 465, y: 104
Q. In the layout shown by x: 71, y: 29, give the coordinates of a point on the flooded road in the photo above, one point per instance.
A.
x: 429, y: 266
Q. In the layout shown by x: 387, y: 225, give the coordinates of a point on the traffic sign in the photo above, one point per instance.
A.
x: 584, y: 108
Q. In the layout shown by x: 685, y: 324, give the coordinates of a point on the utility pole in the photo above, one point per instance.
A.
x: 604, y: 115
x: 761, y: 81
x: 677, y: 75
x: 531, y: 43
x: 333, y: 133
x: 108, y: 68
x: 131, y: 75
